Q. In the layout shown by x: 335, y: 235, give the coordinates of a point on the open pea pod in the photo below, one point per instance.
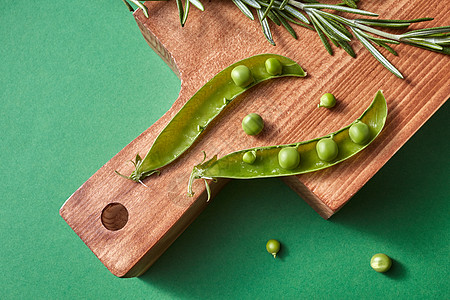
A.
x: 268, y: 162
x: 207, y: 103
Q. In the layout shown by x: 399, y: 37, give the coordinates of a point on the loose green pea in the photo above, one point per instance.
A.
x: 273, y: 246
x: 381, y: 262
x: 359, y: 133
x: 288, y: 158
x: 273, y: 66
x: 242, y: 76
x: 327, y: 100
x: 327, y: 149
x: 252, y: 124
x: 249, y: 157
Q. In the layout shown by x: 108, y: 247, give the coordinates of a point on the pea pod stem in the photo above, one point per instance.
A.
x: 267, y: 164
x: 200, y: 110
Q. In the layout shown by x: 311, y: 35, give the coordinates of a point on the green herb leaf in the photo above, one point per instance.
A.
x: 376, y: 53
x: 245, y: 10
x: 336, y: 32
x: 197, y: 4
x: 252, y: 3
x: 425, y: 32
x: 274, y: 17
x: 283, y: 4
x: 394, y: 21
x: 269, y: 7
x: 288, y: 27
x: 387, y: 47
x: 339, y: 27
x: 141, y: 6
x: 322, y: 37
x: 296, y: 14
x: 346, y: 46
x: 328, y: 32
x: 444, y: 40
x: 391, y: 23
x: 130, y: 8
x: 383, y: 24
x: 337, y: 18
x: 186, y: 12
x: 424, y: 43
x: 288, y: 17
x: 180, y: 11
x: 372, y: 38
x: 350, y: 3
x: 265, y: 26
x: 341, y: 8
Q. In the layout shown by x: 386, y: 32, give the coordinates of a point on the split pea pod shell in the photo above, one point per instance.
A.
x: 206, y: 104
x: 267, y: 164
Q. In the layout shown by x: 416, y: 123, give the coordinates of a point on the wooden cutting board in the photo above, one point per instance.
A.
x: 150, y: 219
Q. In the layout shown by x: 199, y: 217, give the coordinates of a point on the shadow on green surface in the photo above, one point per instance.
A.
x: 398, y: 270
x: 283, y: 254
x: 223, y: 252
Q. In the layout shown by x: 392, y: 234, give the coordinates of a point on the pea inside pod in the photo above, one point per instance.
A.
x: 242, y: 76
x: 249, y: 157
x: 359, y: 132
x: 289, y: 158
x: 268, y: 163
x: 273, y: 66
x: 206, y: 104
x: 327, y: 149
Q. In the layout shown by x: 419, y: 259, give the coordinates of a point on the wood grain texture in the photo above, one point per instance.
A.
x: 209, y: 42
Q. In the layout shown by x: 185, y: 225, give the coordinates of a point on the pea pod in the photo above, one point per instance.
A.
x: 268, y: 163
x: 211, y: 99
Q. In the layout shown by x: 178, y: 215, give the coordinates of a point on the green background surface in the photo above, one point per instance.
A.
x: 78, y: 82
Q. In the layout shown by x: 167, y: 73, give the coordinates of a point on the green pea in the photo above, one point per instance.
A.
x: 359, y: 133
x: 273, y: 66
x: 252, y: 124
x: 249, y: 157
x: 327, y: 149
x: 381, y: 262
x: 273, y: 246
x: 288, y: 158
x: 242, y: 76
x: 327, y: 100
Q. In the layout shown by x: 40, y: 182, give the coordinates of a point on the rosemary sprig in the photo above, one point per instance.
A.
x: 182, y: 11
x: 332, y: 27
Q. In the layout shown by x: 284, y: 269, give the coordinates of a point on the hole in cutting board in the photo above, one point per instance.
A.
x: 114, y: 216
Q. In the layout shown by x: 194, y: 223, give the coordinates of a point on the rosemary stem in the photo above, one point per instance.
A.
x: 387, y: 35
x: 297, y: 4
